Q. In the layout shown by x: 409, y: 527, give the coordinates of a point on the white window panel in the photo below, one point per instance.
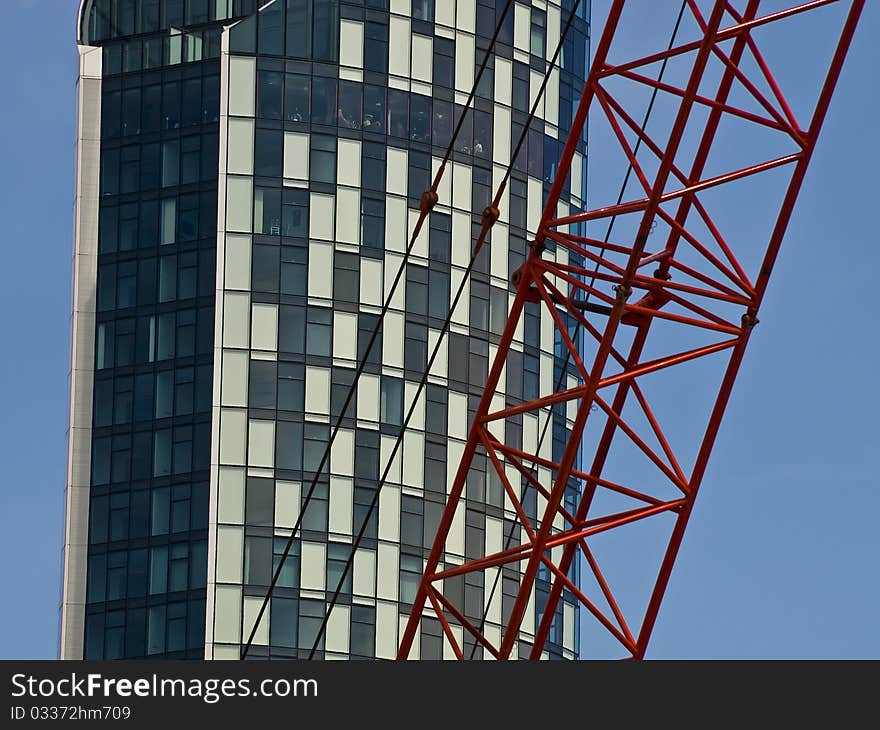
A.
x: 551, y: 99
x: 392, y: 340
x: 242, y: 85
x: 321, y: 217
x: 397, y: 171
x: 464, y: 62
x: 313, y: 571
x: 227, y: 614
x: 364, y: 580
x: 388, y: 571
x: 398, y: 46
x: 348, y: 163
x: 455, y: 538
x: 386, y: 445
x: 287, y: 501
x: 240, y: 155
x: 389, y: 513
x: 528, y: 622
x: 499, y: 250
x: 502, y: 144
x: 342, y: 453
x: 458, y: 425
x: 534, y: 211
x: 368, y: 397
x: 444, y: 13
x: 418, y: 417
x: 530, y: 432
x: 237, y: 262
x: 234, y: 382
x: 413, y: 459
x: 264, y: 327
x: 239, y: 204
x: 536, y: 78
x: 351, y: 43
x: 395, y: 225
x: 462, y: 176
x: 320, y: 269
x: 340, y: 508
x: 392, y: 266
x: 504, y: 83
x: 386, y: 630
x: 230, y: 495
x: 422, y: 57
x: 336, y: 637
x: 504, y: 203
x: 252, y: 605
x: 461, y: 313
x: 421, y: 246
x: 345, y: 335
x: 230, y: 548
x: 261, y: 443
x: 492, y: 599
x: 466, y: 15
x: 348, y: 223
x: 576, y: 175
x: 296, y: 156
x: 371, y: 282
x: 522, y: 18
x: 441, y: 362
x: 233, y: 436
x: 568, y: 619
x: 317, y: 390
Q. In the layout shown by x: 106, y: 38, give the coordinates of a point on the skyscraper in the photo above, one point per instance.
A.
x: 248, y: 178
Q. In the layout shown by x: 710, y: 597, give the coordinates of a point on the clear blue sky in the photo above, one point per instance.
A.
x: 782, y: 556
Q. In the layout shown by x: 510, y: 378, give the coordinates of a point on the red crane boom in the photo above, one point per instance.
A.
x: 655, y: 311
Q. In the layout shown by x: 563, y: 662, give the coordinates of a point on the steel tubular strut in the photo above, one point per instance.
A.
x: 541, y: 280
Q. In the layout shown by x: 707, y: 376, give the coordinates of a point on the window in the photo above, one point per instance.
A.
x: 374, y: 108
x: 373, y: 223
x: 346, y: 277
x: 260, y: 501
x: 289, y: 576
x: 291, y: 387
x: 294, y: 270
x: 325, y: 38
x: 258, y: 560
x: 391, y: 411
x: 299, y: 24
x: 423, y: 10
x: 324, y: 107
x: 410, y: 576
x: 291, y: 329
x: 283, y: 617
x: 337, y: 557
x: 296, y: 97
x: 319, y: 332
x: 267, y: 211
x: 363, y: 631
x: 411, y: 521
x: 322, y: 156
x: 350, y: 103
x: 262, y: 387
x: 538, y: 36
x: 265, y: 263
x: 415, y: 352
x: 268, y: 152
x: 295, y: 213
x: 376, y: 47
x: 315, y: 438
x: 269, y: 94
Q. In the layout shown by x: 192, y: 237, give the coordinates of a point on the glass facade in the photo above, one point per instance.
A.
x: 312, y: 127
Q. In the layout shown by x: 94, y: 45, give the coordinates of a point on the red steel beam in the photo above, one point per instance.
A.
x: 703, y: 308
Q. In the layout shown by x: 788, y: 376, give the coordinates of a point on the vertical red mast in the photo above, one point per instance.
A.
x: 635, y: 305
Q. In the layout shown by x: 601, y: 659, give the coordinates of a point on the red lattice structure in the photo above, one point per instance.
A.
x: 642, y: 311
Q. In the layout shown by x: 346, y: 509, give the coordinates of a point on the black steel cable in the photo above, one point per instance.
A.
x: 429, y: 200
x: 490, y: 215
x: 577, y: 330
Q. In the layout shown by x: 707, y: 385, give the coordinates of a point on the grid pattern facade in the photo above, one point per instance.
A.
x: 326, y: 158
x: 326, y: 121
